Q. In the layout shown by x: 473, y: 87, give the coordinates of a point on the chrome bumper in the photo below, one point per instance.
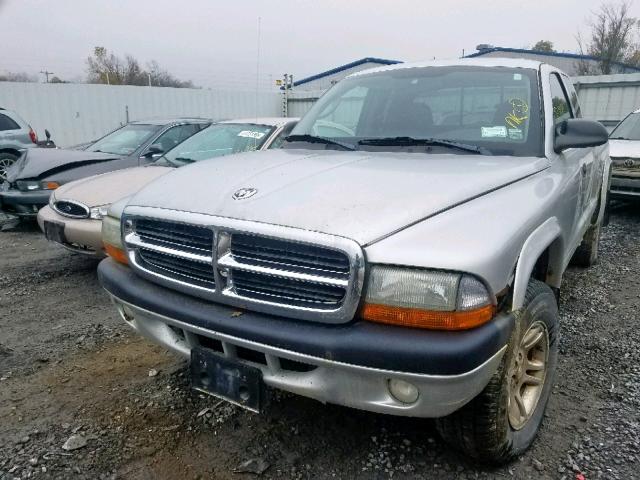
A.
x: 328, y: 381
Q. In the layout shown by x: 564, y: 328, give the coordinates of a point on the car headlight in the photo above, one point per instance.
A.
x: 31, y: 185
x: 112, y: 239
x: 97, y: 213
x: 52, y: 199
x: 438, y: 300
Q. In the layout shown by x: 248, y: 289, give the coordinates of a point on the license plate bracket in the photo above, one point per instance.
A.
x: 227, y: 379
x: 54, y: 232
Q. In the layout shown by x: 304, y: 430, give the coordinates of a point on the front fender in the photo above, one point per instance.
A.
x: 547, y: 235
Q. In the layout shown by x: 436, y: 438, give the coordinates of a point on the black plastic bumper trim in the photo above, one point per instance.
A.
x: 357, y: 343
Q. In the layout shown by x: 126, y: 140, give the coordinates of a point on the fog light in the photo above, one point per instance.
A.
x: 402, y: 391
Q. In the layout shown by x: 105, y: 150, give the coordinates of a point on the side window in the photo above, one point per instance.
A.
x: 7, y: 123
x: 175, y: 136
x: 573, y: 96
x: 277, y: 143
x: 559, y: 101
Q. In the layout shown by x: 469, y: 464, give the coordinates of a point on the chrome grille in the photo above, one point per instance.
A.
x: 267, y: 268
x: 291, y: 256
x: 184, y: 269
x: 71, y: 209
x: 176, y: 235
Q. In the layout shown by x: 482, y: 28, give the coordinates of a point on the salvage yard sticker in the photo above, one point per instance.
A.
x: 250, y: 134
x: 494, y: 132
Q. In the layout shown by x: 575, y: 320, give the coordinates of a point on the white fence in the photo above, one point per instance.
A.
x: 77, y: 113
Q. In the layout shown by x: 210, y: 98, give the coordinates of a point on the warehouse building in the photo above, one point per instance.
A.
x: 567, y: 62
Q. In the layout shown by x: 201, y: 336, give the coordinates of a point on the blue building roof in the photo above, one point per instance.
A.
x: 342, y: 68
x: 575, y: 56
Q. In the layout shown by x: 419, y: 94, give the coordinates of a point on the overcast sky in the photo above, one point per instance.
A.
x: 214, y: 42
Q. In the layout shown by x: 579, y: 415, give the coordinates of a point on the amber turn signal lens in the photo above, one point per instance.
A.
x: 117, y: 254
x: 429, y: 319
x: 51, y: 185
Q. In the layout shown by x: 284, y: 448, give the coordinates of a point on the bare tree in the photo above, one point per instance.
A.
x: 105, y: 67
x: 613, y: 38
x: 18, y: 77
x: 543, y: 46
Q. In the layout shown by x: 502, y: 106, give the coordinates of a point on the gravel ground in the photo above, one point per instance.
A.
x: 82, y: 397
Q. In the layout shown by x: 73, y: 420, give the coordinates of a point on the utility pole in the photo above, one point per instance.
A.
x: 285, y: 96
x: 46, y: 73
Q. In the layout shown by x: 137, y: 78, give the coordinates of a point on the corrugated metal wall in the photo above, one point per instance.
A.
x: 77, y: 113
x: 608, y: 98
x: 299, y: 102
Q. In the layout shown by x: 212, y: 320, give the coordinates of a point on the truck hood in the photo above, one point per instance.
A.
x: 110, y: 187
x: 364, y: 196
x: 624, y: 148
x: 41, y: 162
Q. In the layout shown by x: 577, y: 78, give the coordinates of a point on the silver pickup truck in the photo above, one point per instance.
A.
x: 402, y: 254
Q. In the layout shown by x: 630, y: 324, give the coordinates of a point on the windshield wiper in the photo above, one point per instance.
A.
x: 437, y: 142
x: 184, y: 159
x: 618, y: 138
x: 313, y: 139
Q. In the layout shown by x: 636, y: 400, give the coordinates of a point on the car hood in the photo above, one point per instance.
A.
x: 41, y: 162
x: 624, y: 148
x: 360, y: 195
x: 110, y: 187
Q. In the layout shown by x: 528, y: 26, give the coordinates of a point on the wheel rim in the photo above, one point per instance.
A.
x: 527, y: 375
x: 5, y: 163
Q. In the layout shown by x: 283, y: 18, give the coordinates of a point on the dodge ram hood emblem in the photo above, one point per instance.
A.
x: 244, y: 193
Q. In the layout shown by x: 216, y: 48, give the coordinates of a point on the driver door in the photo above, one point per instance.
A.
x: 579, y: 162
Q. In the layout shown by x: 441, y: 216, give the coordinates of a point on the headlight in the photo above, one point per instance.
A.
x: 111, y: 233
x: 112, y: 239
x: 97, y: 213
x: 31, y: 185
x: 426, y: 299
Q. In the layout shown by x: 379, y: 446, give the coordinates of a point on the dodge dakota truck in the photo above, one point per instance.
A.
x: 402, y: 254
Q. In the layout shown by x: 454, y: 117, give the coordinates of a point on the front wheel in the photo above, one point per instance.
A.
x: 6, y: 160
x: 503, y: 420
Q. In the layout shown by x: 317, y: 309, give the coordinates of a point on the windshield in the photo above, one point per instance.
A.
x: 125, y: 140
x: 627, y: 129
x: 217, y: 140
x: 496, y: 109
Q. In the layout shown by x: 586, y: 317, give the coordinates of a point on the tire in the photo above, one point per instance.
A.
x: 586, y: 255
x: 485, y: 429
x: 6, y: 160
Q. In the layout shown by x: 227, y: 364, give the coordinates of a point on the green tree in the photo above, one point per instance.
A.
x: 543, y: 46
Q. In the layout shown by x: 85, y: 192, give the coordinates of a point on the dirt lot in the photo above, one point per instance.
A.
x: 70, y: 368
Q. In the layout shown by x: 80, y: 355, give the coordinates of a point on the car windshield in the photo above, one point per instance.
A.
x: 479, y: 109
x: 217, y: 140
x: 125, y: 140
x: 627, y: 129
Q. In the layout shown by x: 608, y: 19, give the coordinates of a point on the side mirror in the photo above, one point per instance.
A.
x: 579, y: 133
x: 154, y: 151
x: 47, y: 134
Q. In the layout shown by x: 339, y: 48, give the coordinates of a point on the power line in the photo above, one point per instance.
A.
x: 46, y: 73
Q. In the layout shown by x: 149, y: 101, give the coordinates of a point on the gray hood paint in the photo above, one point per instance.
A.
x: 364, y: 196
x: 39, y: 162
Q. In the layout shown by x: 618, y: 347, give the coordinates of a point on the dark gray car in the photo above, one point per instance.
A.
x: 16, y: 135
x: 31, y: 179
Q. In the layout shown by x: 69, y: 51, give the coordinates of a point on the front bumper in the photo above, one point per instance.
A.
x: 625, y: 185
x: 24, y: 204
x: 348, y: 365
x: 83, y: 235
